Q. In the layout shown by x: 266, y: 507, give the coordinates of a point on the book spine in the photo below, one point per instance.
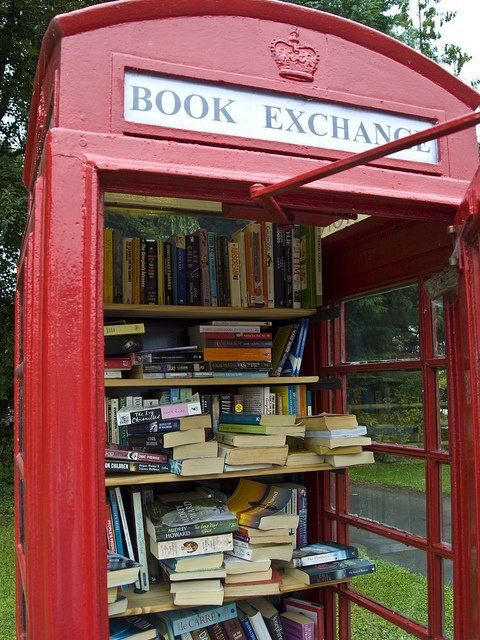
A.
x: 233, y: 629
x: 200, y: 634
x: 204, y: 269
x: 160, y: 273
x: 288, y: 261
x: 136, y: 270
x: 117, y: 266
x: 240, y: 418
x: 286, y: 349
x: 111, y: 543
x: 234, y: 268
x: 136, y: 467
x: 173, y: 245
x: 216, y: 632
x: 134, y: 456
x: 274, y: 626
x: 143, y: 269
x: 226, y: 271
x: 190, y: 622
x: 297, y: 631
x: 257, y: 266
x: 247, y: 628
x: 181, y: 270
x: 184, y: 356
x: 152, y: 441
x: 279, y: 265
x: 302, y: 509
x: 108, y: 265
x: 318, y: 266
x: 296, y: 268
x: 127, y: 271
x: 166, y: 367
x: 123, y: 329
x: 168, y: 279
x: 232, y: 365
x: 137, y: 416
x: 220, y: 268
x: 143, y: 583
x: 238, y: 343
x: 123, y: 519
x: 116, y: 521
x: 151, y: 277
x: 270, y: 267
x: 324, y: 558
x: 212, y: 268
x: 248, y: 354
x: 154, y: 426
x: 180, y: 409
x: 194, y: 289
x: 118, y: 363
x: 239, y: 237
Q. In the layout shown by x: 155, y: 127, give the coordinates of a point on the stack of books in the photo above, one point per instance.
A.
x: 288, y: 348
x: 339, y: 438
x: 255, y: 441
x: 176, y: 431
x: 261, y: 265
x: 234, y: 348
x: 120, y: 571
x: 188, y: 533
x: 326, y: 561
x: 170, y: 362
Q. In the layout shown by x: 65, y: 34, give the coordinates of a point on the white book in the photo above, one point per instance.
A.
x: 114, y: 407
x: 143, y: 583
x: 234, y: 271
x: 256, y: 620
x: 337, y: 433
x: 270, y: 264
x: 123, y: 518
x: 239, y: 238
x: 191, y: 546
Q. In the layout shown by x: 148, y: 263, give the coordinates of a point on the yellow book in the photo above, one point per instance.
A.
x: 108, y: 265
x: 160, y: 273
x: 136, y: 270
x: 123, y: 329
x: 339, y: 451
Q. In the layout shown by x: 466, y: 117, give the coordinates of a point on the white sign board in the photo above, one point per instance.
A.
x: 260, y: 115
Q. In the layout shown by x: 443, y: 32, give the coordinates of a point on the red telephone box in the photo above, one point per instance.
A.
x: 203, y: 100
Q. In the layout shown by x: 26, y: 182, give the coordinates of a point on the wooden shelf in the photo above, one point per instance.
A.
x: 162, y: 478
x: 158, y: 599
x: 207, y: 382
x: 203, y: 313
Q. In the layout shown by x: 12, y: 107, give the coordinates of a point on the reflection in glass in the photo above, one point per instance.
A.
x: 400, y: 581
x: 368, y: 626
x: 391, y: 492
x: 442, y: 407
x: 382, y: 326
x: 438, y: 328
x: 446, y: 504
x: 333, y: 488
x: 389, y: 403
x: 447, y: 578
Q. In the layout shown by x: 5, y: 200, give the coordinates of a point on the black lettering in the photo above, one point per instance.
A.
x: 380, y: 130
x: 137, y: 98
x: 176, y: 102
x: 362, y: 133
x: 311, y: 123
x: 337, y: 127
x: 271, y: 118
x: 219, y: 111
x: 294, y: 118
x: 202, y: 103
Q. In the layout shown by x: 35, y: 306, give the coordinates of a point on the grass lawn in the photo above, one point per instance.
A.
x: 408, y: 473
x: 7, y: 582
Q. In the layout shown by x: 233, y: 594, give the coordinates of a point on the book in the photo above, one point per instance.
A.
x: 143, y: 582
x: 303, y: 458
x: 121, y: 344
x: 366, y: 457
x: 329, y: 421
x: 222, y: 354
x: 207, y: 562
x: 250, y: 533
x: 203, y: 592
x: 235, y: 565
x: 167, y: 440
x: 249, y: 455
x: 261, y: 505
x: 164, y: 416
x: 175, y: 623
x: 196, y: 466
x: 123, y: 329
x: 341, y: 570
x: 191, y: 546
x: 297, y: 626
x: 120, y: 570
x: 322, y: 553
x: 291, y: 430
x: 107, y: 265
x: 281, y: 346
x: 117, y: 525
x: 285, y: 538
x: 270, y: 616
x: 133, y: 628
x: 250, y: 441
x: 197, y: 450
x: 339, y: 451
x: 254, y: 588
x: 193, y: 515
x: 317, y: 444
x: 186, y: 423
x: 262, y: 551
x: 117, y: 606
x: 233, y: 629
x: 203, y: 574
x: 117, y: 466
x: 266, y: 420
x: 252, y: 576
x: 199, y: 634
x: 353, y: 432
x: 122, y: 453
x: 246, y: 625
x: 256, y: 620
x: 311, y: 610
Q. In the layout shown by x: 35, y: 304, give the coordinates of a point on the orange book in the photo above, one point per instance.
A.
x: 252, y: 354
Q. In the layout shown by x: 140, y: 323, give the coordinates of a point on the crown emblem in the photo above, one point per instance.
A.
x: 294, y: 60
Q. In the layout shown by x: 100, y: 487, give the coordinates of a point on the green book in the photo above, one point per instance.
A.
x: 260, y: 429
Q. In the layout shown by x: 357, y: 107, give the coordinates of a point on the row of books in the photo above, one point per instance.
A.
x: 261, y: 265
x: 226, y: 349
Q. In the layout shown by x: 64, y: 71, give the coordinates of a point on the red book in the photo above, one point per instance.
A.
x: 118, y: 363
x: 313, y: 611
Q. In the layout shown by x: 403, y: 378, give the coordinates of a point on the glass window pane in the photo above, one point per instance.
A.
x: 391, y: 491
x: 400, y: 581
x: 438, y: 320
x: 382, y: 326
x: 446, y: 502
x: 389, y: 403
x: 442, y: 407
x: 447, y: 576
x: 333, y: 498
x: 368, y: 626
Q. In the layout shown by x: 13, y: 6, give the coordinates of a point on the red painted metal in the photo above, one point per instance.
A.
x: 78, y: 147
x: 443, y: 129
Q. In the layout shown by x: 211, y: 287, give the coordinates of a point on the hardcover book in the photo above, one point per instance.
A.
x: 322, y: 553
x: 188, y: 620
x: 197, y: 515
x: 341, y: 570
x: 133, y: 628
x: 270, y: 616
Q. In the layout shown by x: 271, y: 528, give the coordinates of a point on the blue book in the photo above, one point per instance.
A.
x: 302, y: 346
x: 117, y: 527
x: 212, y: 268
x: 132, y: 627
x: 246, y: 626
x: 292, y: 363
x: 240, y: 418
x: 188, y: 620
x: 174, y: 269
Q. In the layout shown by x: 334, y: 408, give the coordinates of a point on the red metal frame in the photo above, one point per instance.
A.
x: 76, y: 150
